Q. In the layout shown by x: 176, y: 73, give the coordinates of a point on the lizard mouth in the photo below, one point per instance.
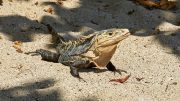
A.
x: 114, y: 41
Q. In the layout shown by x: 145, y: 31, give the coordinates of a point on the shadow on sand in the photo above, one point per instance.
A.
x: 35, y: 91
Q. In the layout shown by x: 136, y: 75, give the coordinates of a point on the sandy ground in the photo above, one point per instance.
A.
x: 152, y: 57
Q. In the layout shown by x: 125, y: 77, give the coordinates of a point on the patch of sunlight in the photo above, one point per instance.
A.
x: 166, y: 26
x: 71, y: 5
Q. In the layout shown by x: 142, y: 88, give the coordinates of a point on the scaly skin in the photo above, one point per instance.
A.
x: 94, y: 50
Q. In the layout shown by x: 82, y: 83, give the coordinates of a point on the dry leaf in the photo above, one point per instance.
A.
x: 148, y: 3
x: 49, y: 10
x: 19, y: 43
x: 163, y: 4
x: 18, y: 49
x: 121, y: 80
x: 0, y: 37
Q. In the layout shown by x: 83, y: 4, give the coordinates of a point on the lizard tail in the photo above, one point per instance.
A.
x: 55, y: 37
x: 48, y: 55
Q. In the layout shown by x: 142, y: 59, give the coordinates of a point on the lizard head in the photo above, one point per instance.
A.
x: 111, y: 37
x: 105, y: 44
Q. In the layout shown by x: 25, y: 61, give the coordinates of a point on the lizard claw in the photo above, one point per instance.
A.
x: 81, y: 79
x: 119, y: 71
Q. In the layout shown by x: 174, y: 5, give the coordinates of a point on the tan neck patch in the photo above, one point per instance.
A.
x: 105, y: 55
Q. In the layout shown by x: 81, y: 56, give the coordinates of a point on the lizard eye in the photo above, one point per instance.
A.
x: 110, y: 33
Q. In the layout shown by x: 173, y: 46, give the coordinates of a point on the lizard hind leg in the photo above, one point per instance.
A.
x: 46, y: 55
x: 112, y: 68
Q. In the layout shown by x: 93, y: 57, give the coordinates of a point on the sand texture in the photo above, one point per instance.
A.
x: 153, y: 59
